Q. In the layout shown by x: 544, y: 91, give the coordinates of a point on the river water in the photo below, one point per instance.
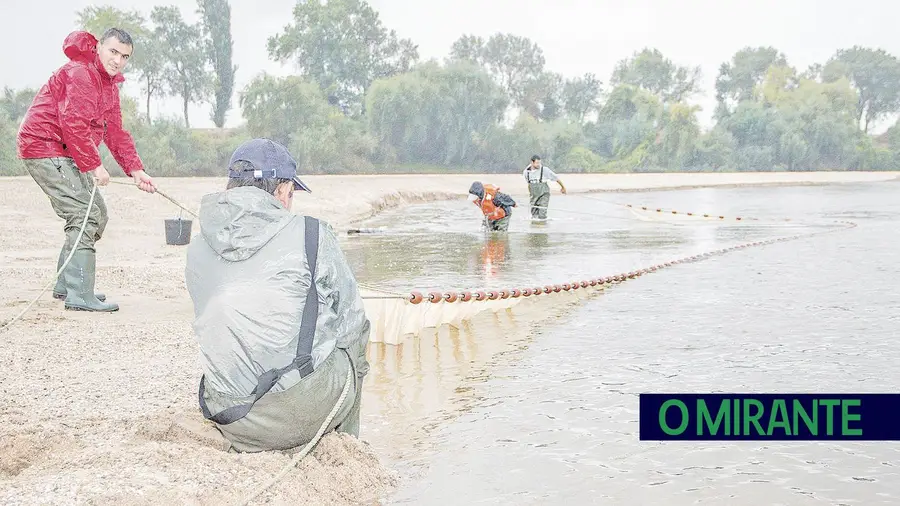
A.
x: 538, y: 404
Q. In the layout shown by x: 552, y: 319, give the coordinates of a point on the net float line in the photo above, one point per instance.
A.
x: 396, y: 315
x: 709, y: 216
x: 703, y: 215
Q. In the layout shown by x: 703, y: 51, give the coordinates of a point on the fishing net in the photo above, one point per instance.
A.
x: 395, y: 317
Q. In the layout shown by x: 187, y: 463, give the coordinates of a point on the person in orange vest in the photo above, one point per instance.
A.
x: 494, y: 204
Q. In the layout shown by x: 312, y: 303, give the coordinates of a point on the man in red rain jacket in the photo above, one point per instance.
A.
x: 58, y: 141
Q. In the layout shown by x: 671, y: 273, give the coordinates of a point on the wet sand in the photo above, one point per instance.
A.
x: 102, y: 408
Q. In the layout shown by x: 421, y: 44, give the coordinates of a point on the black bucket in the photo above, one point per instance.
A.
x: 178, y: 231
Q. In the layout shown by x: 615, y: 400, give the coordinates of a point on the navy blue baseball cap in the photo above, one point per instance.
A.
x: 270, y: 160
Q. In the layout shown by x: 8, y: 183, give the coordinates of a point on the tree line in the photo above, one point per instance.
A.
x: 362, y: 100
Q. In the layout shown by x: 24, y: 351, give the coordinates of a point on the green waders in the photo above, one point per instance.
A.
x: 540, y: 199
x: 501, y: 225
x: 69, y: 191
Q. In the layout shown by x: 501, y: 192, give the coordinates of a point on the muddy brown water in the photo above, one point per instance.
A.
x: 538, y: 405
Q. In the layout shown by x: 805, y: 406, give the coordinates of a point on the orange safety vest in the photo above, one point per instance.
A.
x: 487, y: 206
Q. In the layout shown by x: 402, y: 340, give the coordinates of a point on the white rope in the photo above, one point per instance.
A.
x: 170, y: 199
x: 297, y: 458
x: 66, y: 263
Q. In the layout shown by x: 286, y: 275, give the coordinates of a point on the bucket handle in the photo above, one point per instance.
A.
x: 180, y: 222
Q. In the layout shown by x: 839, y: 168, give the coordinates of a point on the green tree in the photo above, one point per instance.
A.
x: 757, y: 131
x: 435, y: 114
x: 651, y: 71
x: 468, y: 47
x: 279, y: 108
x: 515, y: 62
x: 675, y: 146
x: 217, y: 30
x: 714, y: 150
x: 97, y: 19
x: 186, y: 73
x: 738, y: 78
x: 343, y: 46
x: 876, y: 76
x: 14, y: 104
x: 543, y: 96
x: 295, y: 112
x: 819, y: 120
x: 626, y: 126
x: 148, y: 60
x: 580, y: 96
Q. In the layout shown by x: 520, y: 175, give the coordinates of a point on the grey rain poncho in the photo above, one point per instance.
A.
x: 248, y: 277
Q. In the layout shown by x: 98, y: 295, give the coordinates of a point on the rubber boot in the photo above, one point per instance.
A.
x: 79, y: 279
x: 59, y: 291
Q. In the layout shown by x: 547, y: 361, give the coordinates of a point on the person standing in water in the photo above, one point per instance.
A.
x: 495, y: 205
x: 537, y: 175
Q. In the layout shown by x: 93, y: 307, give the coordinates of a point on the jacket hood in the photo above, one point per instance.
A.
x: 477, y: 189
x: 81, y: 46
x: 237, y: 223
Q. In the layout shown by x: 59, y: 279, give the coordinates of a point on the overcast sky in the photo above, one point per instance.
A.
x: 577, y: 36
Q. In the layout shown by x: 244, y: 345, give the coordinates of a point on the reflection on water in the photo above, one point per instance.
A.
x: 538, y: 241
x: 538, y: 404
x: 494, y: 253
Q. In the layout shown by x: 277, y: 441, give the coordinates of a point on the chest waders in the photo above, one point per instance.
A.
x: 539, y: 195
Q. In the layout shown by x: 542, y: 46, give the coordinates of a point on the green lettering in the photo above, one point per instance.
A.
x: 737, y: 417
x: 829, y: 417
x: 754, y: 419
x: 813, y: 424
x: 847, y: 417
x: 779, y: 407
x: 684, y: 417
x: 704, y: 419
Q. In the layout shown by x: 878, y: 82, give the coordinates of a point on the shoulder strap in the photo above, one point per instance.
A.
x: 302, y: 361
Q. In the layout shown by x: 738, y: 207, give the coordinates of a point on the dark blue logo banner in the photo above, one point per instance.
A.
x: 772, y: 417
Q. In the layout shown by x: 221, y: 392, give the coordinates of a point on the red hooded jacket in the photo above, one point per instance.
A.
x: 76, y: 110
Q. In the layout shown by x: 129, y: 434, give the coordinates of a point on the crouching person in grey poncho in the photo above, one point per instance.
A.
x: 278, y: 317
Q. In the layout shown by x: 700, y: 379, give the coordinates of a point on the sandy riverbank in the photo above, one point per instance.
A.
x: 90, y: 400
